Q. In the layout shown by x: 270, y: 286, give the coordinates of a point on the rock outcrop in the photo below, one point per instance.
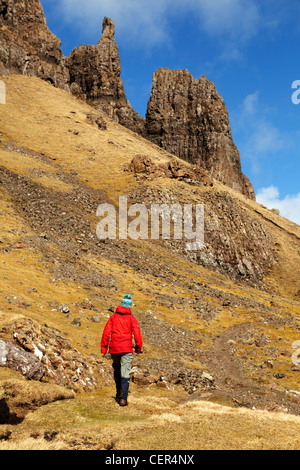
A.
x: 95, y: 77
x: 188, y: 118
x: 39, y: 352
x: 144, y: 168
x: 27, y: 46
x: 16, y: 358
x: 236, y: 243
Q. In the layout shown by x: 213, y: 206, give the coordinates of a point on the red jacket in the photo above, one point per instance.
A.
x: 118, y: 333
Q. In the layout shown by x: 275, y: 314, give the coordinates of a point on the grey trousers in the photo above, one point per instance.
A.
x: 122, y: 364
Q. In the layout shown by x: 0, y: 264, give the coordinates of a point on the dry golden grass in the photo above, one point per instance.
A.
x: 22, y: 164
x: 42, y: 118
x: 52, y: 183
x: 29, y: 393
x: 153, y: 421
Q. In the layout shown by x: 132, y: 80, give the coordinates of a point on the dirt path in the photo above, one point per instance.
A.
x: 233, y: 386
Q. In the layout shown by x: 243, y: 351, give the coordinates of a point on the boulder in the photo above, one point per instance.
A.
x: 16, y: 358
x: 144, y: 166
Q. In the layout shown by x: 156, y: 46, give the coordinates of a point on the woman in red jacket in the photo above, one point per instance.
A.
x: 117, y: 335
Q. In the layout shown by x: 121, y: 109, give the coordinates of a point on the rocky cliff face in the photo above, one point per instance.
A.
x: 27, y: 46
x: 188, y: 118
x: 95, y: 76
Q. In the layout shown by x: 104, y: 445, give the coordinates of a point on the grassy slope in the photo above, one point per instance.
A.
x: 43, y: 119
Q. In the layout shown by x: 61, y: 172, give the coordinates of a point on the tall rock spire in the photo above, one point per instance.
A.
x: 108, y: 30
x: 95, y: 76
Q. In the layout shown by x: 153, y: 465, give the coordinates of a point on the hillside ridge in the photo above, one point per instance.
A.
x: 56, y: 170
x: 220, y: 325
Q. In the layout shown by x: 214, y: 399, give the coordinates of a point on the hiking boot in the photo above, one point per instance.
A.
x: 118, y: 397
x: 123, y: 402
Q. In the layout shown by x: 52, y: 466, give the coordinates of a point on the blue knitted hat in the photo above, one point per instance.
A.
x: 127, y: 302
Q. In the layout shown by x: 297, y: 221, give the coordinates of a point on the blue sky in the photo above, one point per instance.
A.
x: 248, y: 48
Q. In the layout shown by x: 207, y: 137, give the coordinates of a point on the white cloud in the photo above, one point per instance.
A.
x: 240, y: 18
x: 289, y: 206
x: 150, y: 22
x: 250, y: 104
x: 266, y: 139
x: 258, y: 137
x: 137, y: 20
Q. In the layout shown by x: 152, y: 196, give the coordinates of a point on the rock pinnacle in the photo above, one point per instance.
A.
x: 108, y: 30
